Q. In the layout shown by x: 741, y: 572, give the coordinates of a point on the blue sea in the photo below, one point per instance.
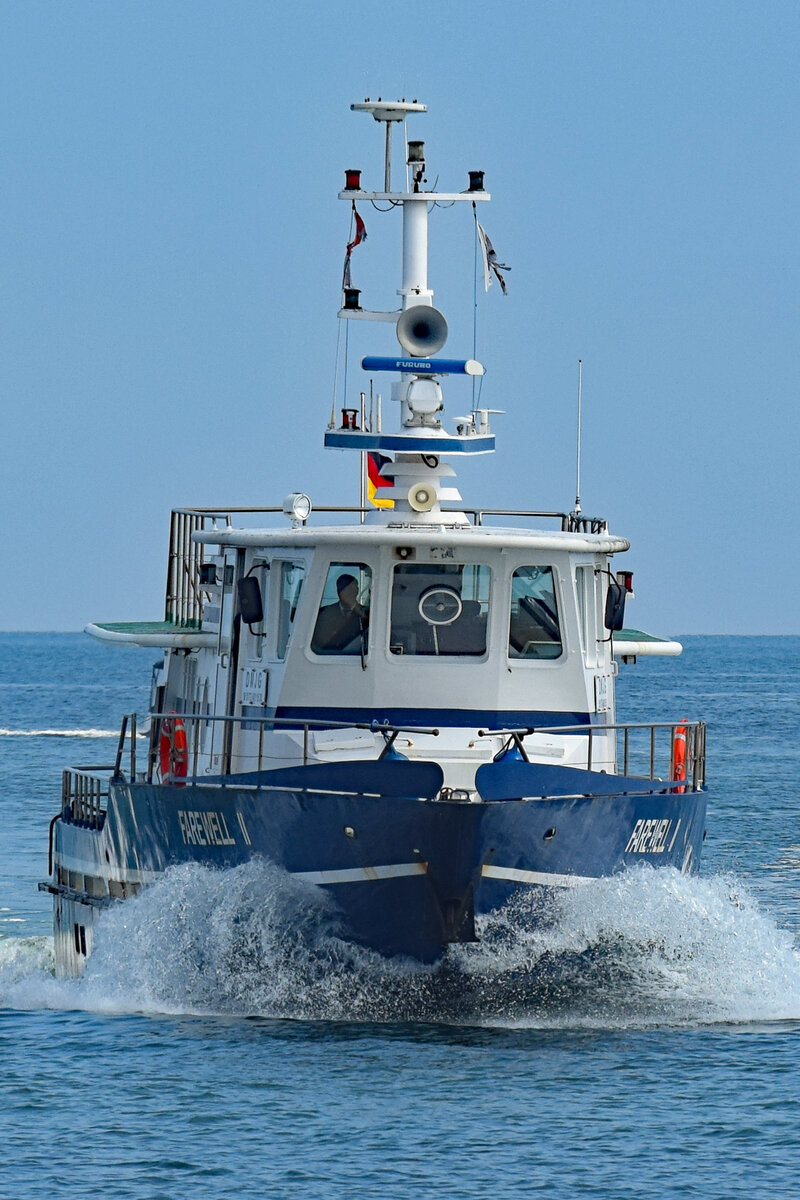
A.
x: 645, y: 1044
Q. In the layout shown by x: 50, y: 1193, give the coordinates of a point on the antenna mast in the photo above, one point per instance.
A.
x: 578, y: 455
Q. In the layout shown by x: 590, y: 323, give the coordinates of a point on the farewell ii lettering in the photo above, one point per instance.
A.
x: 204, y: 828
x: 652, y: 837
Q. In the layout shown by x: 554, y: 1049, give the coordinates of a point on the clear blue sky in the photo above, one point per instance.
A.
x: 172, y: 248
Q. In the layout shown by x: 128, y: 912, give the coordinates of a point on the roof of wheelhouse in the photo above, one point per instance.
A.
x: 306, y: 537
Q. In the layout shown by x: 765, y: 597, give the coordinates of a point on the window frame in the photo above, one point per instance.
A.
x: 282, y: 564
x: 433, y: 568
x: 348, y: 567
x: 521, y: 659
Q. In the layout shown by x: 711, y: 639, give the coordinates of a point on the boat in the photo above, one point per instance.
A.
x: 407, y: 703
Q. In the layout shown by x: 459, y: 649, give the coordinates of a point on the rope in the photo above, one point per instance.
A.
x: 336, y: 374
x: 339, y: 339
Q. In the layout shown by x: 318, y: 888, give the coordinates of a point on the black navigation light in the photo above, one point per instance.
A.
x: 476, y: 181
x: 351, y: 299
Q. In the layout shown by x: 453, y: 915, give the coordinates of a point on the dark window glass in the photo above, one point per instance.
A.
x: 291, y: 586
x: 440, y: 609
x: 535, y: 629
x: 342, y: 625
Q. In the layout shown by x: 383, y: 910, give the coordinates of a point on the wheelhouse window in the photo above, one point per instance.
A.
x: 342, y: 625
x: 535, y: 628
x: 291, y: 585
x: 587, y: 585
x: 440, y: 609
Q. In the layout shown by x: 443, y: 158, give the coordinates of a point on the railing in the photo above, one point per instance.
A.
x: 570, y: 522
x: 128, y: 723
x: 181, y: 517
x: 166, y: 725
x: 643, y: 750
x: 83, y: 790
x: 690, y: 766
x: 183, y: 605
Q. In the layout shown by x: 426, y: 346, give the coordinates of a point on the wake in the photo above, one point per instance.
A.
x: 639, y: 950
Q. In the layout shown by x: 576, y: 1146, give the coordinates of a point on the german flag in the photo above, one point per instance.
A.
x: 375, y: 462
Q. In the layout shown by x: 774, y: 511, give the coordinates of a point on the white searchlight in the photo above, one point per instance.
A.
x: 297, y: 507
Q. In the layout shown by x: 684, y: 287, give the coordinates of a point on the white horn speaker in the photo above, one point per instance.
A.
x: 421, y: 497
x: 421, y: 329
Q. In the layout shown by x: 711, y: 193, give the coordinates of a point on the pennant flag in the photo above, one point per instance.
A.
x: 375, y: 462
x: 490, y: 263
x: 361, y: 236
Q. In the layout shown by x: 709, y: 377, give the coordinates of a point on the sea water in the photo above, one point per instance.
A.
x: 645, y: 1042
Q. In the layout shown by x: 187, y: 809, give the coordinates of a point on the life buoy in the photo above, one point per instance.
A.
x: 173, y: 751
x: 679, y: 739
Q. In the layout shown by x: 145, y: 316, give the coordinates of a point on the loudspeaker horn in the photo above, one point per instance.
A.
x: 422, y: 497
x: 421, y: 329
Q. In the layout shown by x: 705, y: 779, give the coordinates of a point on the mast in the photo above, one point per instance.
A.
x: 422, y: 331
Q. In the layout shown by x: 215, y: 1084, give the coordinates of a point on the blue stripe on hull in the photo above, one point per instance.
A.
x: 464, y: 718
x: 408, y: 875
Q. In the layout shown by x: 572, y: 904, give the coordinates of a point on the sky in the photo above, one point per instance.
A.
x: 171, y: 250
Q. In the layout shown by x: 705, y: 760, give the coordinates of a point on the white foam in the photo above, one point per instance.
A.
x: 640, y: 949
x: 26, y: 971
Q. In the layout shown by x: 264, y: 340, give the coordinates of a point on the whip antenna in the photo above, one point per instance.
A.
x: 578, y: 453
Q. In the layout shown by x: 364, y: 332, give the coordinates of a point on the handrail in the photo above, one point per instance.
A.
x: 695, y: 734
x: 387, y: 730
x: 129, y: 717
x: 587, y: 728
x: 569, y: 521
x: 82, y: 789
x: 630, y: 751
x: 295, y: 722
x: 89, y: 772
x: 183, y: 605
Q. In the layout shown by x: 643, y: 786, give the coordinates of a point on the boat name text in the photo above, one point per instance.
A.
x: 650, y: 837
x: 204, y: 829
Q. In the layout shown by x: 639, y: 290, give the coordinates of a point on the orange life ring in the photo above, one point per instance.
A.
x: 173, y: 751
x: 679, y: 739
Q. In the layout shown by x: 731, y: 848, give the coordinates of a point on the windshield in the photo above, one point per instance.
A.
x: 440, y: 609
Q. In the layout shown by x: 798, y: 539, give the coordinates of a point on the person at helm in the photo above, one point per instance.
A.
x: 341, y: 627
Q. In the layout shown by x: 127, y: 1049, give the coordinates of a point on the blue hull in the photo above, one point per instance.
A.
x: 408, y: 874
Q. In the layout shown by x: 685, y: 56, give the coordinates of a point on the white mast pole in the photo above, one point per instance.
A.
x: 415, y: 253
x: 387, y: 170
x: 414, y: 288
x: 362, y: 483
